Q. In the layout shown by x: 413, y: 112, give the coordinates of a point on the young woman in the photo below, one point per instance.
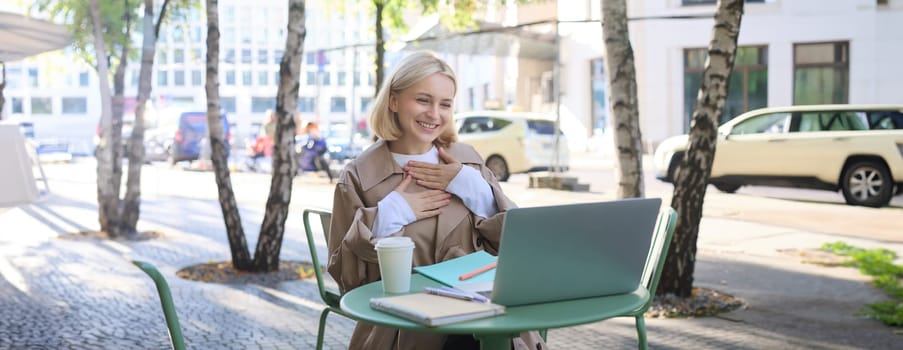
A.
x: 415, y: 181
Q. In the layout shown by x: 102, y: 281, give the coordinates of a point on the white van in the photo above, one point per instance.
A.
x: 513, y: 142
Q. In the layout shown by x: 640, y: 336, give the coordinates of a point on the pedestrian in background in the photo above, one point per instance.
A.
x: 313, y: 154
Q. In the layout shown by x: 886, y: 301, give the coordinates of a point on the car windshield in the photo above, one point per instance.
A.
x: 769, y: 123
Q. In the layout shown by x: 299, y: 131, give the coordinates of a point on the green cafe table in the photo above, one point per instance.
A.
x: 496, y: 332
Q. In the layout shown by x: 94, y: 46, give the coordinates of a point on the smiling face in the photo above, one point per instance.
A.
x: 424, y: 111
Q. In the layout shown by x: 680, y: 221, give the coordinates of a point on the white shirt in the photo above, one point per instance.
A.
x: 393, y: 212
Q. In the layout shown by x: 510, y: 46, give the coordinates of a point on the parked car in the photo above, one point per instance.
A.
x: 190, y: 134
x: 513, y: 142
x: 856, y: 149
x: 343, y: 146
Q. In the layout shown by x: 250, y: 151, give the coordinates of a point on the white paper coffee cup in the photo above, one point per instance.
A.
x: 395, y: 260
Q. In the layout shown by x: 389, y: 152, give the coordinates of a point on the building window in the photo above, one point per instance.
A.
x: 133, y: 77
x: 83, y: 79
x: 17, y: 107
x: 357, y: 78
x: 196, y: 56
x: 162, y: 78
x: 227, y: 104
x: 183, y: 100
x: 262, y: 104
x: 306, y: 104
x: 178, y: 34
x: 245, y: 56
x: 230, y: 77
x: 277, y: 56
x: 178, y: 78
x: 340, y: 78
x: 325, y: 77
x: 197, y: 34
x: 263, y: 56
x: 33, y: 77
x: 747, y: 88
x: 178, y: 56
x: 310, y: 58
x: 821, y: 73
x: 246, y: 78
x: 13, y: 78
x: 263, y: 78
x: 161, y: 57
x: 75, y: 105
x: 365, y: 103
x: 337, y: 105
x: 196, y: 77
x: 41, y: 105
x: 311, y: 78
x: 230, y: 56
x: 599, y: 102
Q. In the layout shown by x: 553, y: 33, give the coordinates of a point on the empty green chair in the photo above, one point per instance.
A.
x: 330, y: 296
x: 658, y: 251
x: 169, y: 309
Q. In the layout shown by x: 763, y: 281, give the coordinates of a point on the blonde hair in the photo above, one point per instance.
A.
x: 412, y: 69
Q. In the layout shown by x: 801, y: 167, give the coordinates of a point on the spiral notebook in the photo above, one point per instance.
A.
x: 434, y: 310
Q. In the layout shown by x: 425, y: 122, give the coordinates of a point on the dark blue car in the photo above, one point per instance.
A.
x: 191, y: 133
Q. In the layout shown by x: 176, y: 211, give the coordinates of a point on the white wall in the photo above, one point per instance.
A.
x: 876, y: 45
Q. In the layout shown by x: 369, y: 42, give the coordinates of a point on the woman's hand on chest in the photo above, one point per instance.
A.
x: 426, y: 203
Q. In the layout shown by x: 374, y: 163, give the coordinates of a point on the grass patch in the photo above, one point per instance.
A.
x: 878, y: 263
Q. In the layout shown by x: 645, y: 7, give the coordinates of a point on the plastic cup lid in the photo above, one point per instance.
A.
x: 394, y: 243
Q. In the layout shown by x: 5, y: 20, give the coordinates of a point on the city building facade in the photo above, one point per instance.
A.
x: 550, y: 59
x: 59, y: 93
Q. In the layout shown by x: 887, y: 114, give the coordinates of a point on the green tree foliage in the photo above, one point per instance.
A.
x: 389, y: 18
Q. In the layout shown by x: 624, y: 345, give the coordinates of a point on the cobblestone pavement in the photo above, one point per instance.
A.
x: 84, y: 294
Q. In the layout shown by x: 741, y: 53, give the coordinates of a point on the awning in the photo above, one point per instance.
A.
x: 531, y: 41
x: 22, y: 36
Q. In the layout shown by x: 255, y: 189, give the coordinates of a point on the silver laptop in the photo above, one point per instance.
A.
x: 573, y: 251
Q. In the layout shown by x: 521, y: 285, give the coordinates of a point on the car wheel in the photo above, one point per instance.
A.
x: 867, y: 183
x: 726, y: 188
x: 499, y: 167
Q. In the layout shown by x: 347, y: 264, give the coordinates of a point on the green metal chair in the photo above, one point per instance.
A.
x: 330, y: 296
x: 169, y: 309
x: 658, y: 251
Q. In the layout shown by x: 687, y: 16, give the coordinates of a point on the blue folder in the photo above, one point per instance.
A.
x: 447, y: 272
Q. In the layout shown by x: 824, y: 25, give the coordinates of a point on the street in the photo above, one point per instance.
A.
x: 817, y: 211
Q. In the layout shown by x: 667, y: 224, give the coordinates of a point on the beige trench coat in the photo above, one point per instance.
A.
x: 455, y: 232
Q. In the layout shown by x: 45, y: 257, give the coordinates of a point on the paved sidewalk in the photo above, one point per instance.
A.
x: 83, y: 294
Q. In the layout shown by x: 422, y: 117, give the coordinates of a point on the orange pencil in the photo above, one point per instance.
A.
x: 477, y: 271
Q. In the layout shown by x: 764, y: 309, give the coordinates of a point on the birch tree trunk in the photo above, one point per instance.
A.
x: 622, y: 99
x: 107, y: 199
x: 241, y: 259
x: 117, y: 227
x: 131, y: 204
x: 272, y: 230
x: 380, y: 46
x: 690, y: 185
